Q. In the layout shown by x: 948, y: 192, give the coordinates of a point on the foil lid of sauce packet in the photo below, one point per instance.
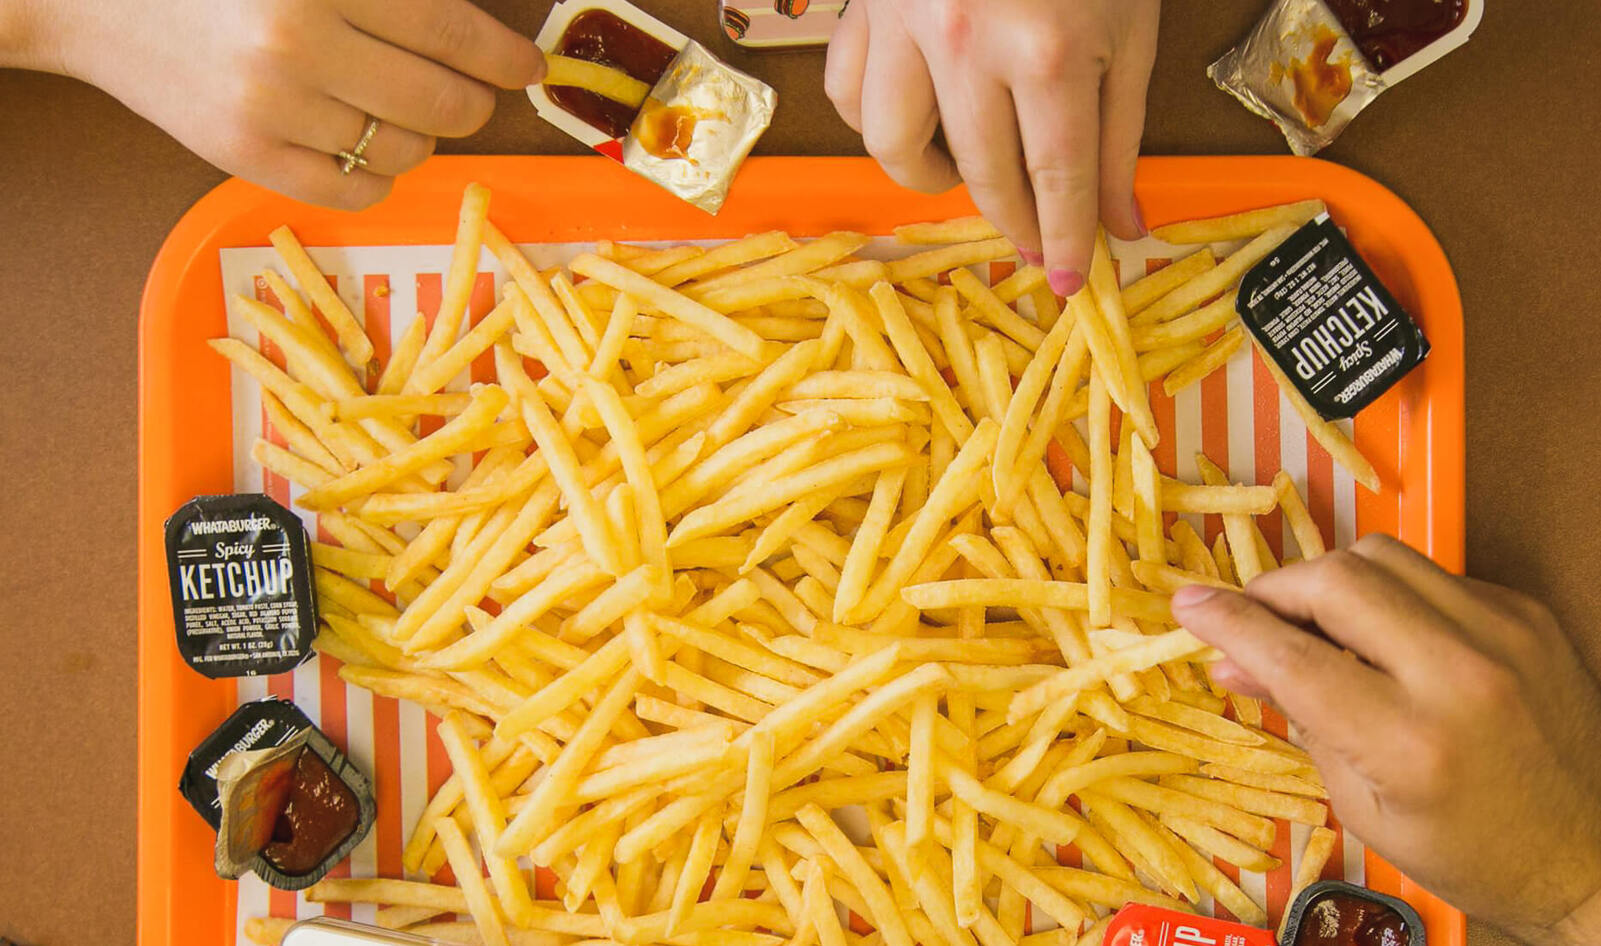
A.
x: 697, y: 126
x: 261, y: 724
x: 1339, y: 335
x: 699, y: 121
x: 290, y: 812
x: 1310, y: 66
x: 1140, y: 924
x: 243, y: 602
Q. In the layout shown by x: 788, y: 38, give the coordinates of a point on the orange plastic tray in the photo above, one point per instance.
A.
x: 1414, y: 434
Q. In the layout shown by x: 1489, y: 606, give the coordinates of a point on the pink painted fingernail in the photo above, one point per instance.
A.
x: 1192, y: 596
x: 1139, y: 219
x: 1032, y: 257
x: 1065, y: 282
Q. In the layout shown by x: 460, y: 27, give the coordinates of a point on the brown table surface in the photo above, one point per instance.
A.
x: 1494, y: 146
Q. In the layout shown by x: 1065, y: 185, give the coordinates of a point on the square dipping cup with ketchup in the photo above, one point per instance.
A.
x: 1310, y: 66
x: 647, y: 96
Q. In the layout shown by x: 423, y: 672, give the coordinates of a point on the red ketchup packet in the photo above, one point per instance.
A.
x: 1140, y: 924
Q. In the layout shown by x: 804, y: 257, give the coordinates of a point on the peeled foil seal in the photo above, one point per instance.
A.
x: 697, y: 126
x: 1300, y: 70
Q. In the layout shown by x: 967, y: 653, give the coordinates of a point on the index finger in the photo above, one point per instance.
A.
x: 455, y: 33
x: 1329, y: 695
x: 1061, y: 129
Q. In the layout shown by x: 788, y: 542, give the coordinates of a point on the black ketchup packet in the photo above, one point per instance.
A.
x: 263, y: 724
x: 243, y: 602
x: 1319, y: 312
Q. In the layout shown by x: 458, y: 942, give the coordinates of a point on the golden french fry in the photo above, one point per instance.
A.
x: 1210, y: 318
x: 352, y: 338
x: 1260, y: 801
x: 1319, y: 847
x: 1201, y: 364
x: 1218, y: 279
x: 948, y: 258
x: 958, y: 230
x: 1146, y: 290
x: 459, y: 278
x: 674, y: 304
x: 485, y: 913
x: 605, y: 81
x: 1240, y: 226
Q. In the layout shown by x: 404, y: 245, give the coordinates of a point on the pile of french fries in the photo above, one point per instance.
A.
x: 744, y: 592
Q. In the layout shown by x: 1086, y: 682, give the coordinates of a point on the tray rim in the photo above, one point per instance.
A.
x: 237, y: 213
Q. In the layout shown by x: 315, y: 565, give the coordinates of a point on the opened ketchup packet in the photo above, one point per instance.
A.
x: 1140, y: 924
x: 1310, y: 66
x: 694, y: 129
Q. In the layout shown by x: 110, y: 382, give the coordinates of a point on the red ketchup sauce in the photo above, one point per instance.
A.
x: 604, y: 37
x: 1388, y: 31
x: 320, y: 813
x: 1338, y: 919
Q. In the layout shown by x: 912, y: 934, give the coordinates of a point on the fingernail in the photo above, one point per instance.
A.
x: 1192, y: 596
x: 1032, y: 257
x: 1139, y: 219
x: 1065, y: 282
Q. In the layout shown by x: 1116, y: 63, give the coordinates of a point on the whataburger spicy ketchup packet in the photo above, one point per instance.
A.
x: 1320, y: 313
x: 1139, y: 924
x: 243, y: 602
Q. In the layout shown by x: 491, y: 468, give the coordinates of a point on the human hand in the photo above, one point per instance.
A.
x: 1042, y: 105
x: 1460, y: 740
x: 270, y: 90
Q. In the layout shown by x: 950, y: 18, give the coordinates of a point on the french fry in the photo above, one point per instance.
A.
x: 435, y: 374
x: 1146, y: 290
x: 753, y: 818
x: 1212, y: 317
x: 1203, y: 363
x: 485, y: 913
x: 958, y: 230
x: 1173, y: 645
x: 1308, y: 537
x: 299, y: 437
x: 593, y: 77
x: 459, y: 279
x: 1215, y: 280
x: 947, y: 258
x: 988, y: 308
x: 844, y: 854
x: 674, y: 304
x: 804, y: 258
x: 1099, y: 544
x: 728, y: 255
x: 1109, y: 303
x: 352, y: 338
x: 1260, y: 801
x: 1240, y: 226
x: 1209, y: 878
x: 1314, y: 857
x: 489, y: 820
x: 1247, y: 561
